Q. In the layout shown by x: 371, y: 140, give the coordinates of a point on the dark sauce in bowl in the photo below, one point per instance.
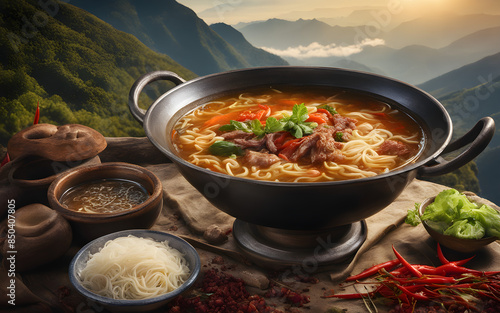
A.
x: 104, y: 196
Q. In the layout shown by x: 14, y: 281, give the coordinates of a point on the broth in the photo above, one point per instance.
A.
x: 104, y: 196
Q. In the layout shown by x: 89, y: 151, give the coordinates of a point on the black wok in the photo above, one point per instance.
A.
x: 306, y: 206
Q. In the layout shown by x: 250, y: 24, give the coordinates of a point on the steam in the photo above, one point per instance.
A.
x: 317, y: 50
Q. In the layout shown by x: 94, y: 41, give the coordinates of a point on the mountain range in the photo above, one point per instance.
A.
x: 403, y: 54
x: 432, y: 31
x: 175, y: 30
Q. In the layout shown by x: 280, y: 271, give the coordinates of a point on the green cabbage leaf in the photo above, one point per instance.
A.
x: 452, y: 213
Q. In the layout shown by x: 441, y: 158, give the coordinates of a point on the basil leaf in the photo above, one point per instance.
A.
x: 307, y: 128
x: 273, y: 125
x: 295, y: 130
x: 299, y: 114
x: 328, y: 108
x: 235, y: 125
x: 257, y: 128
x: 225, y: 148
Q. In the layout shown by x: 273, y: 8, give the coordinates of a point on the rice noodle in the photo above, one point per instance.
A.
x: 134, y: 268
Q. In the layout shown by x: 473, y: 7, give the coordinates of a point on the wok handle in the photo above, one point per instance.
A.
x: 140, y: 83
x: 478, y: 137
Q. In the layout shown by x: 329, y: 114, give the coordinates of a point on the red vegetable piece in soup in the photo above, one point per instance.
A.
x: 298, y: 135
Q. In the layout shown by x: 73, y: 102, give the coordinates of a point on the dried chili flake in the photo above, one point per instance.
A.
x: 290, y: 296
x: 219, y: 292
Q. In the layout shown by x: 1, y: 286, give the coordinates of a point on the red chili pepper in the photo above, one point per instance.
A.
x: 284, y: 157
x: 441, y: 257
x: 290, y: 142
x: 444, y: 260
x: 410, y: 267
x: 289, y: 147
x: 374, y: 269
x: 5, y: 160
x: 462, y: 262
x: 37, y: 113
x: 279, y: 141
x: 452, y: 268
x: 447, y: 285
x: 425, y: 269
x: 415, y: 296
x: 328, y: 114
x: 317, y: 118
x: 249, y: 115
x: 427, y: 280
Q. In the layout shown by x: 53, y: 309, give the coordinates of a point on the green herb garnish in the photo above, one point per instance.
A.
x: 295, y: 124
x: 338, y: 136
x: 225, y: 148
x: 235, y: 125
x: 328, y: 108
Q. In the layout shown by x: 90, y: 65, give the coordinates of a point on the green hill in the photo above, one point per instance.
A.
x: 79, y: 68
x: 466, y: 107
x: 465, y: 77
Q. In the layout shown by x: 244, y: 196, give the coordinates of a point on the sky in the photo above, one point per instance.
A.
x: 235, y: 11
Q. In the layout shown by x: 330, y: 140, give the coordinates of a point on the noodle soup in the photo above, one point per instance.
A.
x: 298, y: 135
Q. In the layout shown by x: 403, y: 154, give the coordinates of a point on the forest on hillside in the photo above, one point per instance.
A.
x: 78, y: 68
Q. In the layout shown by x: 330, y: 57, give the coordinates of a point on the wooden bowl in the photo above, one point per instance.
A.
x: 88, y: 226
x: 451, y: 242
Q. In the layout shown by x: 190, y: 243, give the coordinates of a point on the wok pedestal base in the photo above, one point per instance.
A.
x: 310, y: 250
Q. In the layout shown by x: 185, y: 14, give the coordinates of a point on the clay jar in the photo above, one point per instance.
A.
x: 41, y: 236
x: 89, y: 226
x: 71, y: 142
x: 39, y: 153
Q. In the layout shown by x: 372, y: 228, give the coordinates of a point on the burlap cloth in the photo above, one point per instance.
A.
x: 385, y: 229
x: 188, y: 214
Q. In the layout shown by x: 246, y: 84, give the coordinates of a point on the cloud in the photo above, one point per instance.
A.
x: 317, y: 50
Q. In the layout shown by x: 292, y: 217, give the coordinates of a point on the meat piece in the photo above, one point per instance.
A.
x: 342, y: 123
x: 260, y: 159
x: 236, y: 134
x: 306, y: 144
x: 256, y: 144
x: 326, y: 149
x: 318, y: 147
x: 326, y: 131
x: 393, y: 147
x: 270, y: 138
